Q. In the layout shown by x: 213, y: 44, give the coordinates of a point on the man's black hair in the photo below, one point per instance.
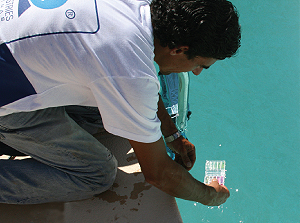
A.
x: 209, y: 27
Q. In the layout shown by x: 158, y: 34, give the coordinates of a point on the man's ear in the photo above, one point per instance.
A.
x: 179, y: 50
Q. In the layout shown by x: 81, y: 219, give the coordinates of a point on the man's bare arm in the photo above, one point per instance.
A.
x: 185, y: 150
x: 161, y: 171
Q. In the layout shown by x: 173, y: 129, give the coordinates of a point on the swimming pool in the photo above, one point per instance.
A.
x: 246, y: 110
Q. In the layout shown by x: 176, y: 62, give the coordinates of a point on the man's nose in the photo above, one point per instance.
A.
x: 197, y: 71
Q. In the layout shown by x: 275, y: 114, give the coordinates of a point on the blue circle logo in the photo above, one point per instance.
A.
x: 48, y: 4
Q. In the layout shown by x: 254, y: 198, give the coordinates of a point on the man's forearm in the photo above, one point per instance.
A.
x: 167, y: 125
x: 178, y: 182
x: 172, y: 178
x: 181, y: 146
x: 182, y: 185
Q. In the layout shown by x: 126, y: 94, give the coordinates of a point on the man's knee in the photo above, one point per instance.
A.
x: 106, y: 176
x: 112, y: 170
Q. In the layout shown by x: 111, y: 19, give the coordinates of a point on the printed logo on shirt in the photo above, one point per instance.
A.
x: 69, y: 16
x: 7, y: 7
x: 6, y: 10
x: 43, y: 4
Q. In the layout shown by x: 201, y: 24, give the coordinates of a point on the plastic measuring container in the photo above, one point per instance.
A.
x: 215, y: 169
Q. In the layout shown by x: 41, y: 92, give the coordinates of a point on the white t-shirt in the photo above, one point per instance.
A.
x: 91, y: 53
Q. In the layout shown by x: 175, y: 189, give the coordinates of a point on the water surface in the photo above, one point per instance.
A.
x: 246, y: 110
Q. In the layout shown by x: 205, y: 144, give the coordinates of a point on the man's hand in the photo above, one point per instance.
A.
x: 184, y: 152
x: 222, y: 193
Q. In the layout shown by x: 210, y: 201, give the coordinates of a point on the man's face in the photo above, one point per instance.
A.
x: 195, y: 65
x: 176, y: 61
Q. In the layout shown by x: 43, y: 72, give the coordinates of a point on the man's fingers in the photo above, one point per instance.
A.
x: 186, y: 160
x: 192, y: 155
x: 185, y: 152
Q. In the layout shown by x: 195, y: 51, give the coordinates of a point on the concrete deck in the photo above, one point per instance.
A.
x: 130, y: 200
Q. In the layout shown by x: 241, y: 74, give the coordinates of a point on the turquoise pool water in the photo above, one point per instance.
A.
x: 246, y: 110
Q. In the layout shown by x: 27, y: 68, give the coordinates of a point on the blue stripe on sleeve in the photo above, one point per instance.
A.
x: 14, y: 85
